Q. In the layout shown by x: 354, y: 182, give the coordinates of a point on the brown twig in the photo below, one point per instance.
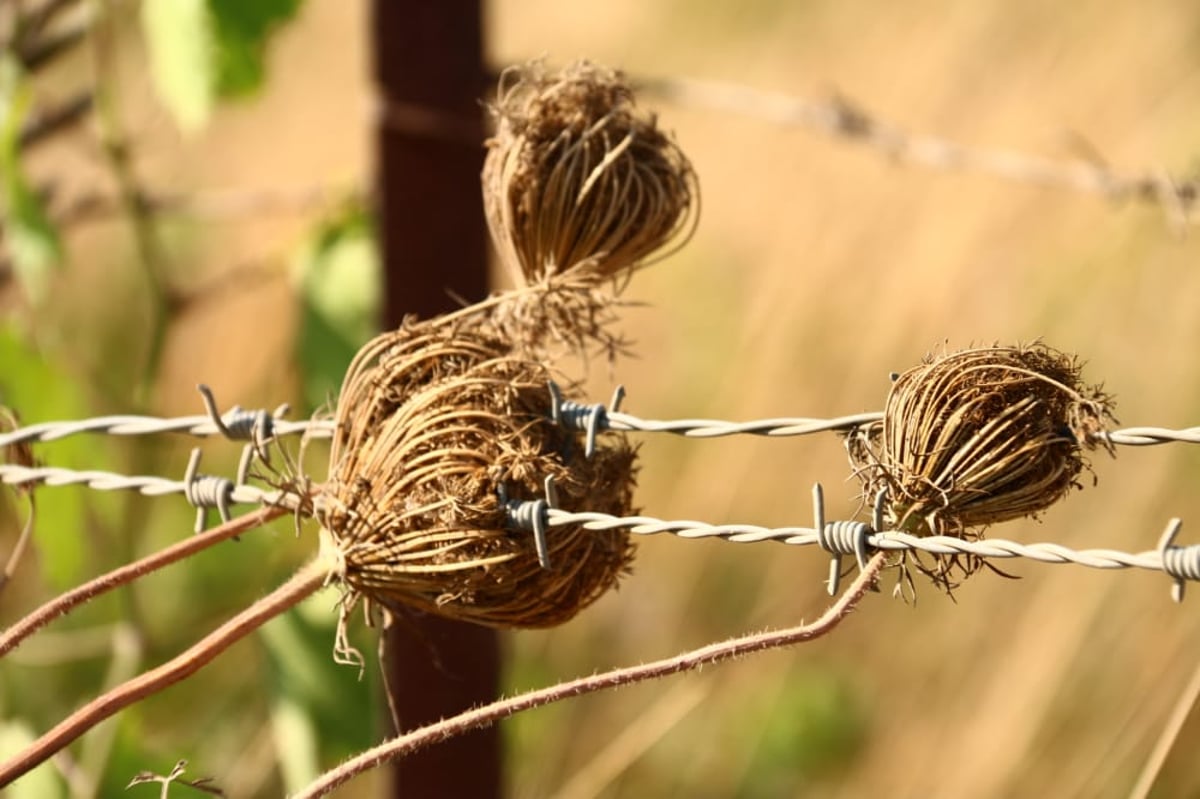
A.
x: 489, y: 714
x: 218, y: 204
x: 302, y: 584
x: 46, y: 123
x: 64, y: 603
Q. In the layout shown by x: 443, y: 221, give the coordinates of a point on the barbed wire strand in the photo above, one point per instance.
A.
x: 839, y: 537
x: 592, y: 419
x: 236, y: 425
x: 857, y: 538
x: 150, y: 486
x: 840, y: 118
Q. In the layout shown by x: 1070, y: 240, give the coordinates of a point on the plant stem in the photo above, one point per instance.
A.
x: 489, y: 714
x: 302, y: 584
x: 64, y: 603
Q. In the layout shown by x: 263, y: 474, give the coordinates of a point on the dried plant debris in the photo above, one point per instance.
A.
x: 563, y: 315
x: 976, y: 437
x: 577, y: 178
x: 434, y: 421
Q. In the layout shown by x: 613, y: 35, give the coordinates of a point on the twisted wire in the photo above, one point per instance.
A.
x: 198, y: 425
x: 596, y: 418
x: 539, y: 516
x: 840, y: 538
x: 591, y: 419
x: 150, y: 486
x: 889, y: 540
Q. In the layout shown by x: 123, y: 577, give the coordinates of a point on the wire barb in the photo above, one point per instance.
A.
x: 533, y: 516
x: 1180, y: 563
x: 206, y: 491
x: 844, y: 537
x: 572, y: 415
x: 257, y: 427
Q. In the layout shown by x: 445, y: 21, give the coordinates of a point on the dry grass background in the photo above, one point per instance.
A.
x: 818, y: 268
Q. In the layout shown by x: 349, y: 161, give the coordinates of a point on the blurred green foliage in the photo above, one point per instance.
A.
x: 29, y: 236
x: 812, y: 725
x: 39, y: 390
x: 318, y: 707
x: 338, y: 277
x: 242, y: 30
x: 202, y: 50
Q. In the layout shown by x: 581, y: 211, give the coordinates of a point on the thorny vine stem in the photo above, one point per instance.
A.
x: 306, y: 581
x: 65, y: 603
x: 489, y: 714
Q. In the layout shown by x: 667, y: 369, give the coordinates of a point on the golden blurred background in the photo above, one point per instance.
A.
x: 818, y: 268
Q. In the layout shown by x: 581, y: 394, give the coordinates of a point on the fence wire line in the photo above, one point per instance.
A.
x: 199, y: 426
x: 150, y: 486
x: 888, y: 539
x: 239, y: 424
x: 841, y: 118
x: 838, y: 537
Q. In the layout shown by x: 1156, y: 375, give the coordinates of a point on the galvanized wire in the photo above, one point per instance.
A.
x: 593, y: 419
x: 889, y: 540
x: 540, y: 516
x: 597, y: 418
x: 841, y: 538
x: 204, y: 492
x: 127, y: 425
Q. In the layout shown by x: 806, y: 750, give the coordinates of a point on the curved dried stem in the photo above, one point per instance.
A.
x: 65, y: 603
x: 490, y: 714
x: 305, y: 582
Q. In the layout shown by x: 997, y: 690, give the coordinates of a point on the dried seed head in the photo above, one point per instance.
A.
x: 980, y: 436
x: 577, y: 179
x: 433, y: 420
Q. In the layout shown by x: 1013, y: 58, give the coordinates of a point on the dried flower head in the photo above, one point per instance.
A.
x: 980, y: 436
x: 576, y: 178
x: 434, y: 420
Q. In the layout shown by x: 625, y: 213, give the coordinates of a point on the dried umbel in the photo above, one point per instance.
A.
x: 576, y: 178
x: 980, y: 436
x: 434, y: 420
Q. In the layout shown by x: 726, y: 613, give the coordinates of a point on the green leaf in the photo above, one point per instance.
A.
x: 29, y: 235
x: 181, y: 40
x: 44, y: 781
x: 31, y: 386
x: 338, y: 276
x: 242, y: 31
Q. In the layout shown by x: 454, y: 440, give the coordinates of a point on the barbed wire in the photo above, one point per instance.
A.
x: 203, y: 491
x: 839, y: 538
x: 841, y: 118
x: 857, y: 538
x: 261, y: 426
